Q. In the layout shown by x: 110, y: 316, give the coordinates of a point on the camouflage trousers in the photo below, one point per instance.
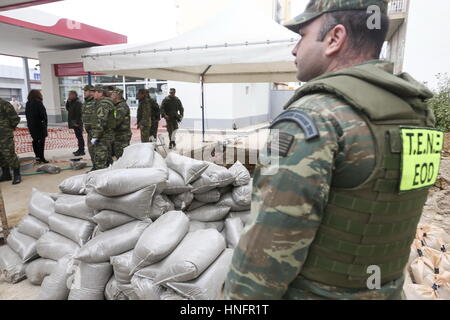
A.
x: 90, y: 146
x: 154, y: 129
x: 145, y: 134
x: 118, y: 145
x: 8, y: 157
x: 102, y: 154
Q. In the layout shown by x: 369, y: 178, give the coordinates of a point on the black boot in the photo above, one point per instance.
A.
x: 6, y: 174
x: 17, y: 177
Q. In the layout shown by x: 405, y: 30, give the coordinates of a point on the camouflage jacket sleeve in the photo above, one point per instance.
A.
x: 144, y: 114
x: 13, y: 117
x: 287, y: 203
x: 102, y: 112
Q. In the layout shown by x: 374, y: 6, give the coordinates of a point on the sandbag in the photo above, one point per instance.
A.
x: 41, y: 205
x: 440, y: 259
x: 49, y: 168
x: 112, y: 291
x: 198, y: 225
x: 211, y: 196
x: 190, y: 169
x: 32, y: 227
x: 195, y: 205
x: 193, y: 255
x: 137, y: 205
x: 11, y: 265
x: 214, y: 176
x: 160, y: 163
x: 169, y: 294
x: 160, y: 205
x: 424, y: 292
x: 139, y: 155
x: 243, y: 195
x: 146, y: 289
x: 241, y: 174
x: 91, y: 176
x: 74, y: 185
x: 432, y: 237
x: 182, y: 201
x: 90, y: 281
x: 421, y: 268
x: 107, y: 219
x: 128, y: 291
x: 112, y: 242
x: 77, y: 230
x: 160, y: 239
x: 209, y: 213
x: 116, y: 183
x: 54, y: 246
x: 74, y: 206
x: 175, y: 184
x: 122, y: 266
x: 37, y: 270
x: 57, y: 285
x: 77, y: 165
x: 245, y: 216
x: 209, y: 285
x: 233, y: 231
x: 23, y: 245
x: 227, y: 201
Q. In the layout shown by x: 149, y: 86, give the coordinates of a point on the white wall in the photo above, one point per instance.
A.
x: 427, y: 48
x: 250, y: 100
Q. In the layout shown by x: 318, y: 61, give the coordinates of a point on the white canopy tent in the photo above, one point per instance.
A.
x: 238, y: 45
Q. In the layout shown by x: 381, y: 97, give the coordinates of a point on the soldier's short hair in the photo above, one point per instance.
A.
x: 142, y: 91
x: 173, y: 89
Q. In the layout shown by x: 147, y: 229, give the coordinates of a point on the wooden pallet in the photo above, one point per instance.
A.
x: 5, y: 229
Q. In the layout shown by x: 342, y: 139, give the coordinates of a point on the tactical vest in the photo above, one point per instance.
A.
x: 374, y: 223
x: 88, y: 116
x: 111, y: 121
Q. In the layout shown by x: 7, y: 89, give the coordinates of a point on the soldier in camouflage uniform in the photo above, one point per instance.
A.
x: 144, y: 115
x: 336, y: 209
x: 88, y: 115
x: 8, y: 158
x: 103, y: 129
x: 156, y: 116
x: 122, y: 134
x: 172, y: 110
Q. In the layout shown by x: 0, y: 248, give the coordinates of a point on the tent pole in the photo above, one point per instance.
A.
x: 202, y: 81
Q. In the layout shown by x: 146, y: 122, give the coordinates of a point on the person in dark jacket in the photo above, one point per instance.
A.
x: 37, y: 123
x: 74, y: 107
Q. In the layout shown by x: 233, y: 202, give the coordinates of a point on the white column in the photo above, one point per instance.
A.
x: 50, y: 92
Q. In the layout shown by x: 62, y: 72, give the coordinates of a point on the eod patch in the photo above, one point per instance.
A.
x: 421, y: 157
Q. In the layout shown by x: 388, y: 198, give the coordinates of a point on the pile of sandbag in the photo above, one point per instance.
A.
x: 17, y: 257
x: 428, y: 271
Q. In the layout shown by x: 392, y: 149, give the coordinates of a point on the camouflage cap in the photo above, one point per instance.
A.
x: 88, y: 88
x: 316, y: 8
x: 118, y: 91
x: 99, y: 87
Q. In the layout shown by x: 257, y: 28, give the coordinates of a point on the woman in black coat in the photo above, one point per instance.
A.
x: 37, y: 123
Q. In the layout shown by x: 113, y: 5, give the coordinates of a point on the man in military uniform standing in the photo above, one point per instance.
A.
x: 103, y: 129
x: 172, y: 110
x: 122, y: 133
x: 8, y: 158
x: 88, y: 115
x: 335, y: 212
x: 144, y: 115
x: 156, y: 116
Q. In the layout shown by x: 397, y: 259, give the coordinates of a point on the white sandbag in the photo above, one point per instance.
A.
x: 440, y: 259
x: 175, y: 184
x: 241, y: 174
x: 198, y: 225
x: 193, y: 255
x: 190, y: 169
x: 112, y: 291
x: 424, y: 292
x: 146, y: 289
x: 160, y: 239
x: 169, y: 294
x: 74, y: 185
x: 215, y: 176
x: 233, y: 230
x: 209, y: 285
x: 226, y: 189
x: 209, y: 213
x: 74, y: 206
x: 128, y: 291
x: 90, y: 281
x: 54, y: 246
x: 211, y: 196
x: 243, y: 195
x: 11, y: 265
x: 57, y: 285
x: 160, y: 163
x: 23, y: 245
x: 245, y: 216
x: 37, y: 270
x: 32, y: 227
x: 122, y: 266
x: 182, y: 201
x: 421, y: 268
x: 41, y: 205
x: 137, y: 205
x: 138, y: 155
x: 227, y: 201
x: 91, y: 176
x: 77, y: 230
x: 112, y: 242
x: 195, y: 205
x: 160, y: 205
x: 432, y: 237
x: 107, y: 219
x: 116, y: 183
